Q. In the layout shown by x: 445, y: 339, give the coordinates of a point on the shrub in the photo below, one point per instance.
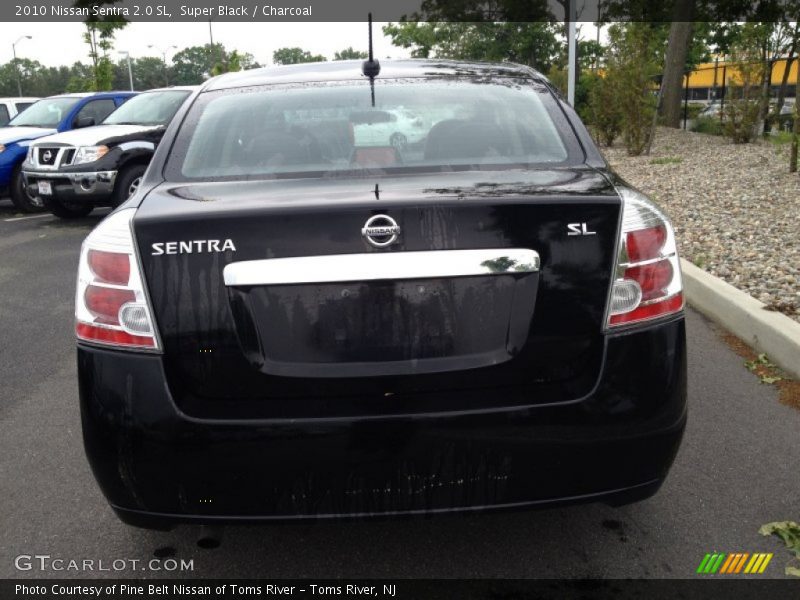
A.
x: 742, y: 112
x: 603, y: 113
x: 709, y: 125
x: 741, y: 119
x: 634, y: 58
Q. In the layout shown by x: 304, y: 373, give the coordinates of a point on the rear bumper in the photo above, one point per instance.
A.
x: 158, y: 466
x: 87, y: 186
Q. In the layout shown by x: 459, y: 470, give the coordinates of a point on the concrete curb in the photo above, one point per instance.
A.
x: 769, y: 332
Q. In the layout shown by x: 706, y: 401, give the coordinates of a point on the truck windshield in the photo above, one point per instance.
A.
x: 45, y: 113
x: 320, y: 129
x: 152, y: 108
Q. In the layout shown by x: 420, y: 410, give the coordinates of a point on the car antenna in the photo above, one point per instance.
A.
x: 371, y: 67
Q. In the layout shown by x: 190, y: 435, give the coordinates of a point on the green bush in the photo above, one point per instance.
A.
x: 603, y: 112
x: 709, y: 125
x: 633, y: 61
x: 741, y: 119
x: 743, y: 111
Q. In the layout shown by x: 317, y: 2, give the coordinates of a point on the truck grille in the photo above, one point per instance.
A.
x: 54, y: 156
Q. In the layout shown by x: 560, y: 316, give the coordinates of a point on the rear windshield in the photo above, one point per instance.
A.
x: 324, y: 129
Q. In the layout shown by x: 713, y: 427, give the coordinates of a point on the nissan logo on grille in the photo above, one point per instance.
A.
x: 47, y: 156
x: 381, y: 231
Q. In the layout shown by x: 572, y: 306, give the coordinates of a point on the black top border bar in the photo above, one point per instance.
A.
x: 587, y: 11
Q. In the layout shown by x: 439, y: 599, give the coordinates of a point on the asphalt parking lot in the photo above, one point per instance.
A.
x: 738, y: 468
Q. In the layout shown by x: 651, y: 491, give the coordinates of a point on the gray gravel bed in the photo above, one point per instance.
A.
x: 735, y: 208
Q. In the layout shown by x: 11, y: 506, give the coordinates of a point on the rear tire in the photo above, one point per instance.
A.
x: 399, y: 141
x: 127, y: 183
x: 20, y: 196
x: 67, y: 210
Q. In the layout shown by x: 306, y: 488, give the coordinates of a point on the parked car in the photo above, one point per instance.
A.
x: 398, y: 128
x: 45, y: 117
x: 712, y: 110
x: 74, y: 171
x: 11, y: 107
x: 272, y: 329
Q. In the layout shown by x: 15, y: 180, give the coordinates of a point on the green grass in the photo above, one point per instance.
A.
x: 667, y: 160
x: 780, y: 138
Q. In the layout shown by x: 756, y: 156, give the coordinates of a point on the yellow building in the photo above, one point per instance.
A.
x: 706, y: 82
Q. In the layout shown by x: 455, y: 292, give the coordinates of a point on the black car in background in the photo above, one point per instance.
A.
x: 74, y: 171
x: 295, y: 318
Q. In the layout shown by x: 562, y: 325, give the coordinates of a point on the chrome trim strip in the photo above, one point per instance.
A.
x: 371, y: 266
x: 72, y: 175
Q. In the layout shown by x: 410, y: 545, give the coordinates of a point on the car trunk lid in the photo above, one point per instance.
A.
x: 329, y: 324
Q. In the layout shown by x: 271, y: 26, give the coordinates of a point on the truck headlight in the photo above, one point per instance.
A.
x: 87, y: 154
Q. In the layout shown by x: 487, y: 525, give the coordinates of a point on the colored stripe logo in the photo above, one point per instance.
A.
x: 734, y: 563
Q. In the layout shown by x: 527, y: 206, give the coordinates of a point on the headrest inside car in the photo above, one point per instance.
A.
x: 379, y: 156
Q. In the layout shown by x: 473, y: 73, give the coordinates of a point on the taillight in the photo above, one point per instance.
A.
x: 111, y: 306
x: 648, y: 275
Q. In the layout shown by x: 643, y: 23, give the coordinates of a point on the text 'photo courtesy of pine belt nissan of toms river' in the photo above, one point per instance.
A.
x: 343, y: 291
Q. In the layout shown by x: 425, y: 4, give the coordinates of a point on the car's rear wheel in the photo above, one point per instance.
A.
x: 398, y: 140
x: 65, y: 209
x: 23, y: 200
x: 128, y: 182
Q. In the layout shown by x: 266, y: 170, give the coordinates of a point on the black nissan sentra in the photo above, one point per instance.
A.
x: 336, y: 295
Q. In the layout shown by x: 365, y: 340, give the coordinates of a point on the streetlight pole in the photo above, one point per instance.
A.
x: 16, y: 66
x: 127, y: 55
x: 571, y: 52
x: 163, y: 52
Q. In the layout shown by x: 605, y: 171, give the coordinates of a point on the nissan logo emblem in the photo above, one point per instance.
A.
x: 47, y: 155
x: 381, y: 231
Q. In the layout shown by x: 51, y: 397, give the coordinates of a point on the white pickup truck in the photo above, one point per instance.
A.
x: 11, y: 107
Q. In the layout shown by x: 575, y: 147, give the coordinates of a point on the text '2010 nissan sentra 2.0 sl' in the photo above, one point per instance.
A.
x: 314, y: 308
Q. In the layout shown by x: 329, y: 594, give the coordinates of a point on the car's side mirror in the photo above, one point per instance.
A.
x: 84, y: 122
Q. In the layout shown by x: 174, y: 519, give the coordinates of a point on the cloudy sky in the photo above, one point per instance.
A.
x: 61, y: 43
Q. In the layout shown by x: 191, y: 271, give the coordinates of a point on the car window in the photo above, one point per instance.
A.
x: 152, y: 108
x: 97, y: 110
x: 22, y: 106
x: 322, y: 128
x: 4, y: 117
x: 45, y: 113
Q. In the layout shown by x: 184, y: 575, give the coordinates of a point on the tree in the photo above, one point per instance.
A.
x: 99, y: 36
x: 81, y: 78
x: 195, y: 64
x: 350, y: 54
x: 234, y: 61
x: 535, y: 44
x: 795, y: 129
x: 790, y: 57
x: 293, y: 56
x: 680, y: 37
x: 148, y: 73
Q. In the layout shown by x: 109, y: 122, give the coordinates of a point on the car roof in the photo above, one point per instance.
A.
x: 20, y: 99
x: 342, y: 70
x: 88, y: 94
x: 172, y: 88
